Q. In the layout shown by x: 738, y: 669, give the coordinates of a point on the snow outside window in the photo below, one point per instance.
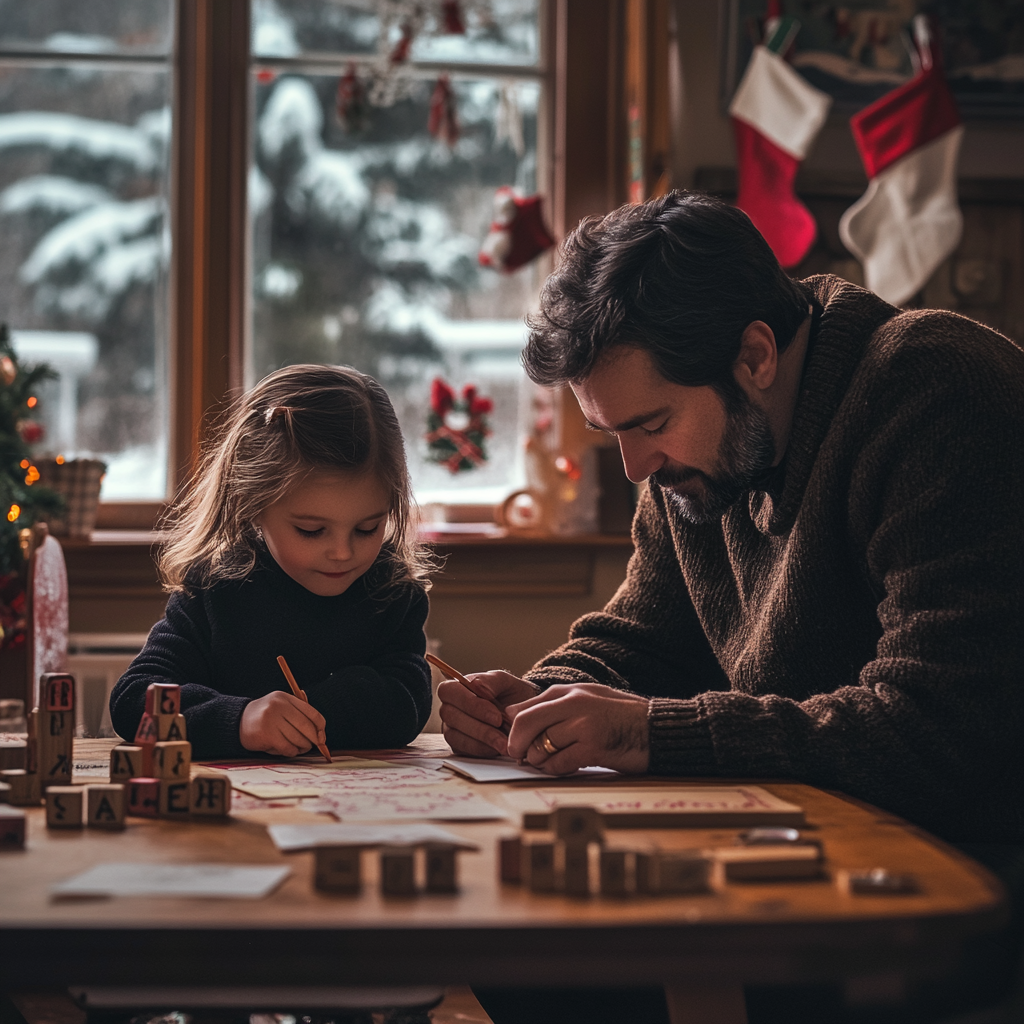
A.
x: 84, y: 238
x: 365, y: 242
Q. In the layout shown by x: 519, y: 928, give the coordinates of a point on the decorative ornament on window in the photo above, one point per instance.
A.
x: 457, y: 428
x: 443, y: 121
x: 518, y: 233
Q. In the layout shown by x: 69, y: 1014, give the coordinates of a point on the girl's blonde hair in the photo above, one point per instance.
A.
x: 296, y: 420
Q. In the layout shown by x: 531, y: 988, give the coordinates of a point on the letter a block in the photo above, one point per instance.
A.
x: 163, y: 699
x: 174, y: 796
x: 441, y: 867
x: 126, y: 763
x: 398, y: 871
x: 171, y: 727
x: 12, y: 829
x: 337, y: 868
x: 106, y: 806
x: 210, y: 796
x: 171, y: 760
x: 57, y: 691
x: 143, y: 797
x: 64, y: 807
x: 147, y: 731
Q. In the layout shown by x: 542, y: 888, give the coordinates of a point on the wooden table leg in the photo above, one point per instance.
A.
x: 696, y: 1004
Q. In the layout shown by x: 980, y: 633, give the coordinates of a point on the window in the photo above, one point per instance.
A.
x: 85, y: 139
x: 365, y: 228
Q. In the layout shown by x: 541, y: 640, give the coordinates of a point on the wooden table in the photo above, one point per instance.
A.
x: 703, y: 948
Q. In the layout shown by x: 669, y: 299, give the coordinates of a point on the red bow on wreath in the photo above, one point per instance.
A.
x: 457, y: 428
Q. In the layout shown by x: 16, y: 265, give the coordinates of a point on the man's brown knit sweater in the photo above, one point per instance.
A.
x: 859, y: 627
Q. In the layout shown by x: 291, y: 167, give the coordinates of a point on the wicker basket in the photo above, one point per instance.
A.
x: 78, y: 483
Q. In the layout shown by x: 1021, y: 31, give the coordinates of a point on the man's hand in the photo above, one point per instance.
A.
x: 475, y: 721
x: 280, y: 723
x: 589, y: 724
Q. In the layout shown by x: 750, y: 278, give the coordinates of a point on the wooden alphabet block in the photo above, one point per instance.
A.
x: 170, y: 727
x: 577, y: 824
x: 106, y: 806
x: 398, y: 871
x: 163, y: 699
x: 172, y: 759
x: 538, y: 863
x: 338, y: 868
x: 64, y: 807
x: 55, y: 740
x: 441, y: 865
x: 614, y: 872
x: 768, y: 863
x: 174, y: 797
x: 646, y: 871
x: 125, y: 762
x: 210, y: 796
x: 683, y: 871
x: 25, y: 789
x: 143, y: 797
x: 575, y: 858
x: 57, y: 691
x: 12, y: 829
x: 147, y: 731
x: 509, y: 854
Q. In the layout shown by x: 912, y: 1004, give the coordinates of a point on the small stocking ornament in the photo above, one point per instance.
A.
x: 518, y: 233
x: 443, y: 121
x: 351, y: 101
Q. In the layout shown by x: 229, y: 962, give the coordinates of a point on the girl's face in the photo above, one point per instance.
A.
x: 328, y: 529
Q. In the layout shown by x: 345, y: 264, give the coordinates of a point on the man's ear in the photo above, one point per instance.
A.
x: 757, y: 364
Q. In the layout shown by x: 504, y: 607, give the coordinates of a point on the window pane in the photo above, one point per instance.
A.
x: 507, y: 34
x: 74, y: 26
x: 84, y: 250
x: 365, y: 252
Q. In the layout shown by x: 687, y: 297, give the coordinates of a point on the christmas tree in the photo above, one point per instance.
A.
x: 21, y: 498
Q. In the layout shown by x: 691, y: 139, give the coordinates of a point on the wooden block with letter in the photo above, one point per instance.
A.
x: 398, y: 871
x: 56, y: 734
x: 509, y: 859
x: 143, y: 797
x: 172, y: 759
x: 575, y: 859
x: 614, y: 872
x: 163, y: 699
x: 12, y: 829
x: 538, y: 862
x: 338, y: 868
x: 147, y: 731
x: 577, y: 824
x: 174, y: 798
x: 210, y: 795
x: 441, y: 867
x: 64, y: 807
x: 106, y: 806
x: 170, y: 727
x: 683, y: 871
x: 25, y: 790
x: 126, y: 762
x: 57, y: 691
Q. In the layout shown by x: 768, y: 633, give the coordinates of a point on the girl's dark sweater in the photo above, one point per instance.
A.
x: 359, y: 659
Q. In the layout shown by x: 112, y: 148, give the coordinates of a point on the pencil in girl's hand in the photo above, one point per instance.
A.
x: 301, y: 694
x: 455, y: 674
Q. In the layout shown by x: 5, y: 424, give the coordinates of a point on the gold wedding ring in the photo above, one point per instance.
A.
x: 545, y: 742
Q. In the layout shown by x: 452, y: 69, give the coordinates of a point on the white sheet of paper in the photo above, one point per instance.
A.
x: 237, y: 881
x: 504, y: 769
x: 291, y: 780
x: 304, y: 837
x: 440, y: 803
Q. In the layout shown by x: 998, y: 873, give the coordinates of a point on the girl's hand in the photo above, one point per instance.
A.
x: 281, y: 724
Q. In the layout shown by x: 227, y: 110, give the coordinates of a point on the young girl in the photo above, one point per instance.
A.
x: 294, y: 539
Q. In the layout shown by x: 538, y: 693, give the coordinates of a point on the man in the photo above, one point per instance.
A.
x: 828, y: 575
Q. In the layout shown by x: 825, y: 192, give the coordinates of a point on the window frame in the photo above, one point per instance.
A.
x: 580, y: 139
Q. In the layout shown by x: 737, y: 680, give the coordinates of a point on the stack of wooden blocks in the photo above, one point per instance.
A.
x: 571, y: 857
x: 338, y: 868
x: 156, y: 770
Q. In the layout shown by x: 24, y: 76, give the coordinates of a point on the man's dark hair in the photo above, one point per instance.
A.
x: 680, y: 276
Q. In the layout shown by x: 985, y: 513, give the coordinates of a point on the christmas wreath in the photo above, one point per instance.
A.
x: 457, y: 428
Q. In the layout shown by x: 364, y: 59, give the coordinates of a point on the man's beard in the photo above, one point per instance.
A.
x: 746, y: 452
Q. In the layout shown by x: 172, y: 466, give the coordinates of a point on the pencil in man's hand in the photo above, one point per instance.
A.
x: 301, y: 694
x: 457, y: 675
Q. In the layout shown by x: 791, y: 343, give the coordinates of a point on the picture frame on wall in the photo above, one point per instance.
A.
x: 858, y: 50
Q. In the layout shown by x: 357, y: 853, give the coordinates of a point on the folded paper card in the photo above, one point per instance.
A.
x: 453, y: 802
x: 304, y: 837
x: 236, y: 881
x: 505, y: 769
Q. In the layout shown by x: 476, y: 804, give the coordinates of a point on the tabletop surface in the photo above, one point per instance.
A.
x: 796, y: 930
